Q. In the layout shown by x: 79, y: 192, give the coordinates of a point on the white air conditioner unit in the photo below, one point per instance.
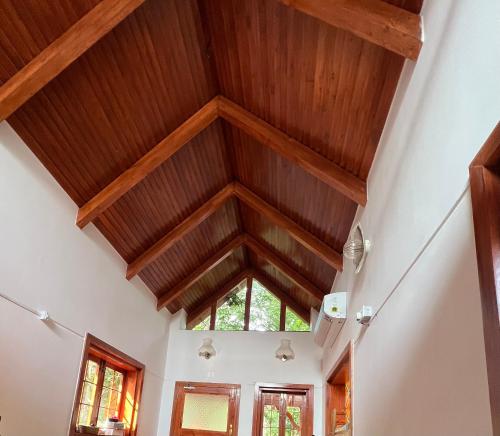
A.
x: 332, y: 316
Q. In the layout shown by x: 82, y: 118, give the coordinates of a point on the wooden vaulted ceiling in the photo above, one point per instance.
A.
x: 212, y: 140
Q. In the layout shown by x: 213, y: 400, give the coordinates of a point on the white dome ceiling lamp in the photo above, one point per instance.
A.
x: 285, y: 351
x: 357, y: 247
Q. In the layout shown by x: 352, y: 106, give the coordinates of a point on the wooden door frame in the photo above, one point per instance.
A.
x: 484, y: 173
x: 282, y: 388
x: 347, y: 353
x: 179, y: 387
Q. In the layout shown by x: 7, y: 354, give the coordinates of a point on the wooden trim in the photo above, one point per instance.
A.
x: 62, y: 52
x: 284, y: 268
x: 260, y: 388
x: 308, y: 240
x: 303, y: 156
x: 485, y: 191
x: 346, y: 355
x: 200, y: 308
x: 179, y: 231
x: 96, y: 348
x: 293, y: 304
x: 214, y: 260
x: 283, y: 316
x: 148, y: 163
x: 248, y: 302
x: 234, y: 390
x: 213, y: 316
x: 383, y: 24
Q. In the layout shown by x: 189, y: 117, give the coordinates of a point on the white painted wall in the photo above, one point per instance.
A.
x: 47, y: 263
x: 420, y: 367
x: 244, y: 358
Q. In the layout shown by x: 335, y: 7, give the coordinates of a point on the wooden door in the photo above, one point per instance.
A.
x: 285, y: 410
x: 202, y: 409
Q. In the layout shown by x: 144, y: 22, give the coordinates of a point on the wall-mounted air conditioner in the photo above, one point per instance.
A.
x: 332, y: 316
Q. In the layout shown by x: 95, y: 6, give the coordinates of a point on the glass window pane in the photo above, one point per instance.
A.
x: 118, y: 381
x: 108, y: 377
x: 265, y: 309
x: 231, y: 315
x: 84, y: 415
x: 205, y: 412
x: 91, y: 371
x: 203, y: 325
x: 88, y: 393
x: 294, y: 323
x: 105, y: 397
x: 102, y: 416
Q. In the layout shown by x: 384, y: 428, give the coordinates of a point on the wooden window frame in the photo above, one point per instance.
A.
x: 347, y: 355
x: 107, y: 356
x: 248, y: 301
x: 261, y: 388
x: 484, y: 173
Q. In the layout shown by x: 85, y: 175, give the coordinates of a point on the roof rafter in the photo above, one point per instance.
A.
x: 381, y: 23
x: 62, y: 52
x: 317, y: 165
x: 291, y: 149
x: 302, y: 236
x: 148, y: 163
x: 179, y: 231
x: 284, y: 268
x: 214, y: 260
x: 307, y: 239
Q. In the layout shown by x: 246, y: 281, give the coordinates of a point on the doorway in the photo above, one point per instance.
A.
x: 339, y: 396
x: 205, y: 408
x: 283, y: 410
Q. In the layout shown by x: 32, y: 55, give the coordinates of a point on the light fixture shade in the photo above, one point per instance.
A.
x: 356, y: 248
x: 207, y: 350
x: 285, y: 352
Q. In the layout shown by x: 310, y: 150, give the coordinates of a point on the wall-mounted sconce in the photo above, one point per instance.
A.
x: 357, y: 247
x: 207, y: 350
x: 285, y: 352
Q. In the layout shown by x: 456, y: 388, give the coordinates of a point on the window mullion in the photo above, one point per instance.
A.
x: 282, y: 316
x: 248, y: 301
x: 98, y: 393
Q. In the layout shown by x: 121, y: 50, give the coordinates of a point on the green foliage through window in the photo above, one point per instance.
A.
x: 265, y: 312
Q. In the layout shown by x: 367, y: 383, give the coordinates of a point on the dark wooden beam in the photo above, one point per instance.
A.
x: 148, y: 163
x: 62, y: 52
x: 293, y: 304
x: 282, y: 316
x: 201, y: 307
x: 381, y: 23
x: 179, y: 231
x: 213, y: 316
x: 308, y: 240
x: 284, y: 268
x: 167, y: 297
x: 248, y: 301
x: 317, y: 165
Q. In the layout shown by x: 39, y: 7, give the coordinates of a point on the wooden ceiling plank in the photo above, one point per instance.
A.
x: 293, y: 304
x: 167, y: 297
x: 317, y: 165
x: 62, y: 52
x: 381, y: 23
x: 148, y: 163
x: 214, y: 297
x: 284, y: 268
x: 179, y: 231
x: 308, y: 240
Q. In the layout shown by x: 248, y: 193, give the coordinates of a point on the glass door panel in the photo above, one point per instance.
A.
x: 205, y: 409
x: 205, y: 412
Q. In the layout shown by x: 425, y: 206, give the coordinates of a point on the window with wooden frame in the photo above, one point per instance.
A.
x: 251, y: 306
x: 109, y: 386
x: 484, y: 174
